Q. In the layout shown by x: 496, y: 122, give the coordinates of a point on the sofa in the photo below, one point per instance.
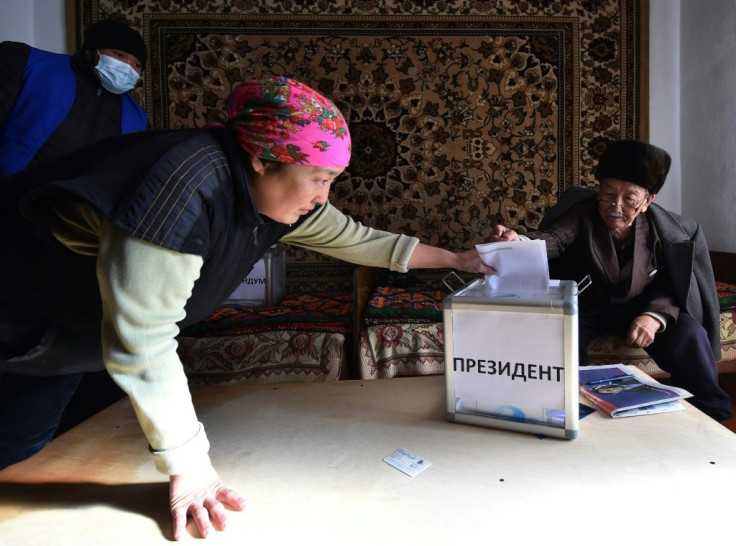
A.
x: 388, y: 325
x: 401, y: 330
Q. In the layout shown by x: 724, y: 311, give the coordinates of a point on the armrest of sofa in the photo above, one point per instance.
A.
x: 724, y: 266
x: 724, y: 269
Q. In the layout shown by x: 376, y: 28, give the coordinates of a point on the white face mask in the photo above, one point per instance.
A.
x: 114, y: 75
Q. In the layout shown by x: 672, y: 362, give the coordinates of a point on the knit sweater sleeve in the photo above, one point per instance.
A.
x: 144, y: 289
x: 330, y: 232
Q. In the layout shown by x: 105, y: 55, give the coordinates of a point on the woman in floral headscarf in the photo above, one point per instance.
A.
x: 147, y: 234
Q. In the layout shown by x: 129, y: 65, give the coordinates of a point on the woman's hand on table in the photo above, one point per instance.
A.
x: 202, y: 496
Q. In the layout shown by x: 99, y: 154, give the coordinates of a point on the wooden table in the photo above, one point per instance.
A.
x: 308, y: 459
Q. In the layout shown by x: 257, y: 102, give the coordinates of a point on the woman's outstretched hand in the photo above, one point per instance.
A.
x: 470, y: 262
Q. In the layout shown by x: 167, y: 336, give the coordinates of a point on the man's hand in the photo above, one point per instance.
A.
x: 502, y: 233
x: 642, y: 331
x: 201, y: 496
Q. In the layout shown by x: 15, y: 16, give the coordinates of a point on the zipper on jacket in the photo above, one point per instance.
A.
x: 255, y: 235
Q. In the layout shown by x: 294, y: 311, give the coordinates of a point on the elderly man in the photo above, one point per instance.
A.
x: 652, y: 281
x: 52, y: 104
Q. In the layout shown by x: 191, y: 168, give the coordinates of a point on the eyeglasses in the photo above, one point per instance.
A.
x: 628, y: 205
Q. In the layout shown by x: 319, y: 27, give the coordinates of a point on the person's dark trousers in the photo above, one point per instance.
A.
x: 95, y: 392
x: 31, y: 409
x: 683, y: 350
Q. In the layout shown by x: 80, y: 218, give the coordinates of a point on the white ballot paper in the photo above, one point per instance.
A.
x: 521, y: 266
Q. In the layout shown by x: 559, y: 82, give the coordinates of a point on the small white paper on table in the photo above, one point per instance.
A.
x: 520, y: 265
x: 406, y: 461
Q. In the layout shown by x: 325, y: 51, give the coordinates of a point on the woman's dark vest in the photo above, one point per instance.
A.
x: 135, y: 181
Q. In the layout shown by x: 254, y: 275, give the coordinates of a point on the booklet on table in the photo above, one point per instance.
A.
x: 615, y: 390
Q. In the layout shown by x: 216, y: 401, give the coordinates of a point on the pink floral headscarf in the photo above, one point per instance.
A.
x: 281, y: 119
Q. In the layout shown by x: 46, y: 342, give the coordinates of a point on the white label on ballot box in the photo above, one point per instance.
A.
x: 509, y: 364
x: 253, y: 286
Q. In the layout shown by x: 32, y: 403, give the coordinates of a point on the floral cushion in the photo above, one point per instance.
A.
x: 402, y: 333
x: 391, y: 304
x: 402, y: 349
x: 726, y: 296
x: 301, y: 339
x: 727, y: 301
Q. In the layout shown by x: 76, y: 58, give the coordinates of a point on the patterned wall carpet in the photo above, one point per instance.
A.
x: 463, y: 114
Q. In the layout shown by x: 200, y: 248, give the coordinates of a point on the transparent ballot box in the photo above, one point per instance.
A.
x: 511, y: 358
x: 266, y: 283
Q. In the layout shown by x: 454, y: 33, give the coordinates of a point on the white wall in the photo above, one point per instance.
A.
x: 49, y: 25
x: 664, y: 93
x: 708, y: 111
x: 40, y: 23
x: 16, y: 20
x: 692, y: 89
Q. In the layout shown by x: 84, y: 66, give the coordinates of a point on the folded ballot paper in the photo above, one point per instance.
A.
x: 521, y: 266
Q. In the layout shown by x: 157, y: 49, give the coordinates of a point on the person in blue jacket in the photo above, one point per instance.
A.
x: 52, y: 104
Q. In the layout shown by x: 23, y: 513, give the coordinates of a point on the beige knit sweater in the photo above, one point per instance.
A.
x: 144, y: 290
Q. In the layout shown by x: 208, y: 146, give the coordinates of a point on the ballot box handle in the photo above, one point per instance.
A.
x: 584, y: 283
x: 455, y: 282
x: 451, y: 278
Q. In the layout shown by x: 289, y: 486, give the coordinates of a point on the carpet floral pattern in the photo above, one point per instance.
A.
x: 463, y: 114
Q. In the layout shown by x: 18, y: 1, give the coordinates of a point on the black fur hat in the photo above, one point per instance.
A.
x: 115, y: 35
x: 637, y: 162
